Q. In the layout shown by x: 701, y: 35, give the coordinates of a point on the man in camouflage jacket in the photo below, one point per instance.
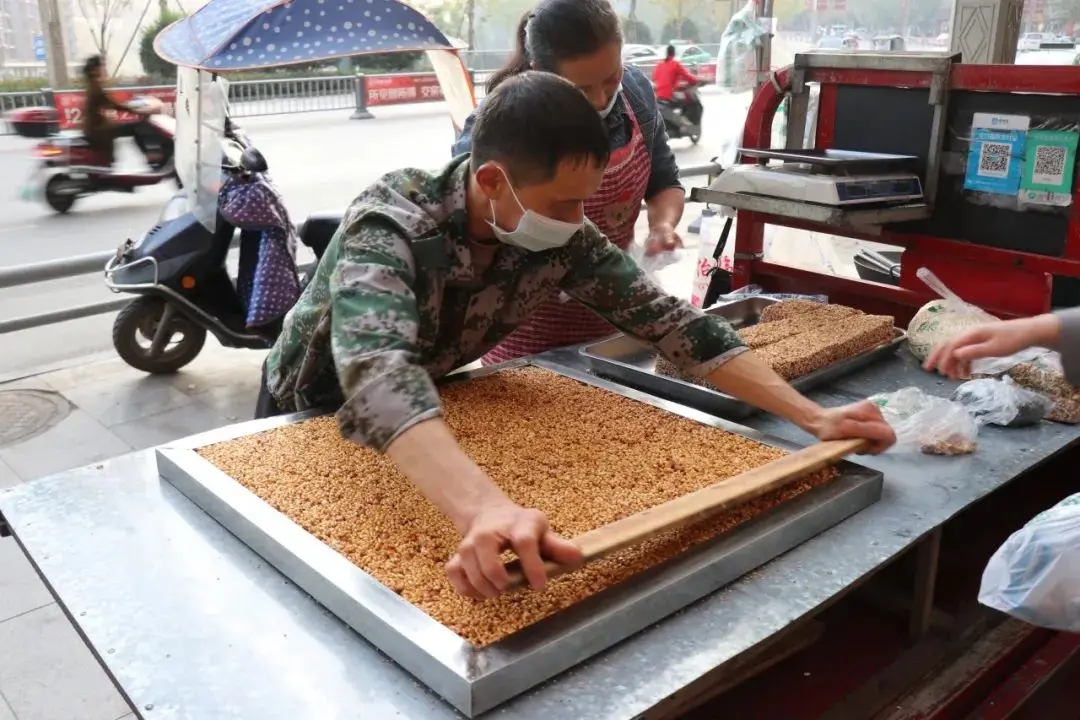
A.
x: 428, y: 271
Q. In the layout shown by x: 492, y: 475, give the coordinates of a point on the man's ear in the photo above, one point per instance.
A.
x: 492, y: 180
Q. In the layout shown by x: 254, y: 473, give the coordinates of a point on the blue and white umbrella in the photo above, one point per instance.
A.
x: 230, y: 35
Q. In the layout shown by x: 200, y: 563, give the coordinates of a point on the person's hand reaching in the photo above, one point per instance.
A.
x: 953, y: 357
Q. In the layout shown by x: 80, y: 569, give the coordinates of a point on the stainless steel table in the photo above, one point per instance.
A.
x: 192, y: 624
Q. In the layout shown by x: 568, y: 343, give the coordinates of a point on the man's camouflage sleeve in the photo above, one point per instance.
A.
x: 374, y: 325
x: 610, y: 283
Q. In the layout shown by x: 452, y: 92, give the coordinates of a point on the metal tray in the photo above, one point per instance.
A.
x: 473, y: 680
x: 632, y: 362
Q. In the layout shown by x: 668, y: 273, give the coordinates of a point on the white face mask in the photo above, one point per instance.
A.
x: 611, y: 103
x: 535, y: 232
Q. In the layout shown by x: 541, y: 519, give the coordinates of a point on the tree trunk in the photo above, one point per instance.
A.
x: 163, y: 7
x: 633, y: 11
x: 470, y: 13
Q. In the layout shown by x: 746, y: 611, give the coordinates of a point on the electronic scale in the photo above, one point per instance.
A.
x: 837, y: 178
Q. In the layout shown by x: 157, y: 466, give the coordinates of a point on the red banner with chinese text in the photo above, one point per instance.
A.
x: 401, y: 89
x: 69, y: 104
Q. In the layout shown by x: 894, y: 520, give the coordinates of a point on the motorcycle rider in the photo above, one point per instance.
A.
x: 98, y: 129
x: 668, y: 76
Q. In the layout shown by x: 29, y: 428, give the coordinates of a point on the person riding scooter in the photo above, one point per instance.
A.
x: 667, y: 76
x: 680, y: 105
x: 100, y: 131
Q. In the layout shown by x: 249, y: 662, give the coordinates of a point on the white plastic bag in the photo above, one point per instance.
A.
x: 928, y: 424
x: 941, y: 320
x: 1002, y: 402
x: 1035, y: 575
x: 756, y: 291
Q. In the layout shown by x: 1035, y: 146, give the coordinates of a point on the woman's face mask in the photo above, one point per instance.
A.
x: 611, y: 103
x: 534, y: 232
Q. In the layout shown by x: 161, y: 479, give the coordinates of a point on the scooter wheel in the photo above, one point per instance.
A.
x: 57, y: 197
x: 133, y: 337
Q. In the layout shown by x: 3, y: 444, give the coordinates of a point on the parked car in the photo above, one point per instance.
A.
x: 630, y: 53
x: 1030, y: 42
x: 689, y: 55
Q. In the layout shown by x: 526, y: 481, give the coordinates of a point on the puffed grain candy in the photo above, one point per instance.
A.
x: 581, y: 473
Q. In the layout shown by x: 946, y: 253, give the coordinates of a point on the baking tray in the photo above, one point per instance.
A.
x: 633, y: 362
x: 473, y: 680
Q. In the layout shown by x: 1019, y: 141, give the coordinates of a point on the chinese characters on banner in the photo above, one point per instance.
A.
x: 400, y: 89
x: 69, y: 104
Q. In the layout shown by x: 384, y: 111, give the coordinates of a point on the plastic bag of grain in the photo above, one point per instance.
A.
x: 1045, y: 375
x: 1035, y: 575
x: 928, y: 424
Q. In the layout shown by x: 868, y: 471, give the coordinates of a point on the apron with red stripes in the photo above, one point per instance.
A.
x: 614, y: 209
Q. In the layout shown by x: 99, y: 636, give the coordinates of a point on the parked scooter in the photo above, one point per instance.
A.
x: 70, y: 169
x: 178, y: 269
x: 683, y: 115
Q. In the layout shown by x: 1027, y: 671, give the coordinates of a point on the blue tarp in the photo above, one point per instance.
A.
x: 250, y: 34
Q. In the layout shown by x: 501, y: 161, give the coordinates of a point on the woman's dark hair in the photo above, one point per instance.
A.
x: 559, y: 30
x: 91, y: 67
x: 555, y: 119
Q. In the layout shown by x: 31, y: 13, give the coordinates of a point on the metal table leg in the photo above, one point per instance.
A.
x: 926, y: 570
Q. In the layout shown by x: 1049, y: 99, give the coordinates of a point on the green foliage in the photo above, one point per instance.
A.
x: 152, y: 64
x: 685, y: 29
x: 636, y: 32
x: 23, y: 84
x: 388, y: 62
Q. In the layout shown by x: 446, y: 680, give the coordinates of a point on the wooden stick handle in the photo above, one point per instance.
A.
x: 699, y: 505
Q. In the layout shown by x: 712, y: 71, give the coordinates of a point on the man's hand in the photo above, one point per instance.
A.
x: 992, y: 340
x: 852, y: 422
x: 662, y: 238
x: 477, y: 570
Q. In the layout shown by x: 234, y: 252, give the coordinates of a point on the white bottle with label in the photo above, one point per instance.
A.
x: 712, y: 227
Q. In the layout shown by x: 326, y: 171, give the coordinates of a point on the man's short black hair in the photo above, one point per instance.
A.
x: 535, y: 121
x: 670, y: 51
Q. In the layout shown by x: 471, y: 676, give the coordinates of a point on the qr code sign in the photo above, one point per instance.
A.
x: 994, y: 160
x: 1049, y: 165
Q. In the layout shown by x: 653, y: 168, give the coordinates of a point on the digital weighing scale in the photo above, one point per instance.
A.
x: 833, y: 187
x: 825, y: 177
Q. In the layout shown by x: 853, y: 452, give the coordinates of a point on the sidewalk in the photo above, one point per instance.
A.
x: 68, y: 419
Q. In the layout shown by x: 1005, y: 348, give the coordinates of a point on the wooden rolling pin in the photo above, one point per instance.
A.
x: 698, y: 506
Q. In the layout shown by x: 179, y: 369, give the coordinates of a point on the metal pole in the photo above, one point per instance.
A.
x: 764, y: 52
x: 59, y: 316
x: 54, y: 269
x: 55, y: 55
x: 361, y: 112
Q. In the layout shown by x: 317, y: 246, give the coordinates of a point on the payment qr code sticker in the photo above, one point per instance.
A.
x: 994, y: 160
x: 1050, y: 157
x: 1049, y: 164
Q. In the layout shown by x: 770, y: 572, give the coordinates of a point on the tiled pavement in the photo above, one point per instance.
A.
x: 46, y: 672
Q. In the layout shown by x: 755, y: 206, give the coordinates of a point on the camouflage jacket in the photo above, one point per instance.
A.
x: 396, y: 302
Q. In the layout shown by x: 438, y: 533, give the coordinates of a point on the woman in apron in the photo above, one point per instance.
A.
x: 582, y: 41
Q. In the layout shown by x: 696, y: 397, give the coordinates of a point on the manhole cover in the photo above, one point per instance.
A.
x: 28, y: 413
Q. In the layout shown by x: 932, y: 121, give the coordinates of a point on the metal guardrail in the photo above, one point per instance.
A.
x: 20, y: 275
x: 317, y: 93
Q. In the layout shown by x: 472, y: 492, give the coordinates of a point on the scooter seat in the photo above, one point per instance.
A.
x: 318, y: 230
